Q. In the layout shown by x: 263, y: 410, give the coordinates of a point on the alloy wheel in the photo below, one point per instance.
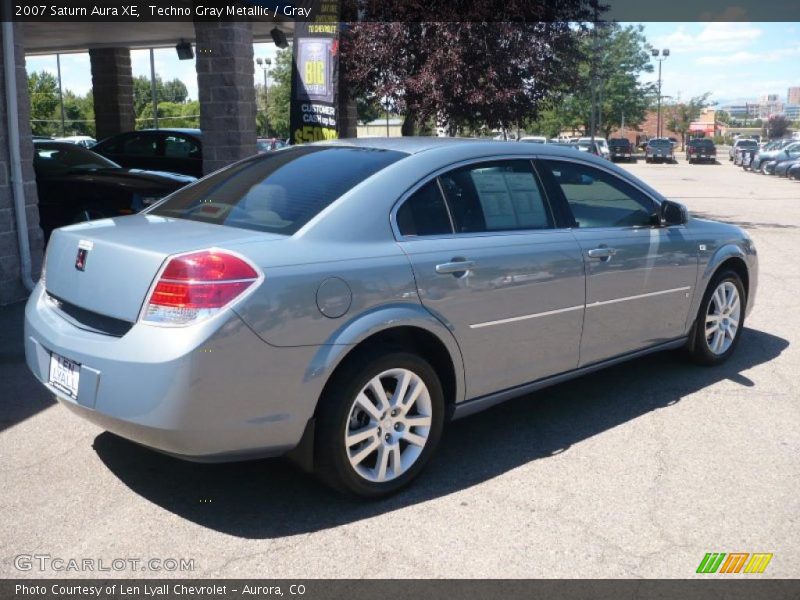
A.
x: 723, y: 316
x: 388, y: 425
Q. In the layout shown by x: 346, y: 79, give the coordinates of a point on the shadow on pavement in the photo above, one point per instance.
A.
x: 742, y: 224
x: 271, y: 498
x: 21, y: 396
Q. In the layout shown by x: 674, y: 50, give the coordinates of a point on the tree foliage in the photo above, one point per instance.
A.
x: 679, y: 116
x: 166, y: 91
x: 776, y: 127
x: 278, y: 99
x: 614, y: 57
x: 463, y: 73
x: 43, y: 93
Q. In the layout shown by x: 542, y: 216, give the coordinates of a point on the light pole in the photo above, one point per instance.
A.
x: 660, y: 56
x: 265, y: 64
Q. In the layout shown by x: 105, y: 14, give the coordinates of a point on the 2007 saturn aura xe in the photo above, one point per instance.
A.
x: 341, y: 301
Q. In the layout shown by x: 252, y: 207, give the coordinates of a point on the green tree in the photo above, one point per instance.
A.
x: 43, y: 92
x: 79, y: 114
x: 171, y: 114
x: 171, y: 91
x: 680, y: 115
x: 279, y: 97
x: 613, y: 57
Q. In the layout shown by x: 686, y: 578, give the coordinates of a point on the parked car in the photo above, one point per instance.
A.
x: 82, y: 140
x: 659, y: 149
x: 778, y: 151
x: 76, y: 184
x: 173, y: 150
x: 602, y: 144
x: 794, y: 172
x: 408, y: 282
x: 781, y: 167
x: 742, y: 143
x: 788, y: 154
x: 701, y: 150
x: 533, y: 139
x: 588, y: 146
x: 269, y: 144
x: 621, y: 149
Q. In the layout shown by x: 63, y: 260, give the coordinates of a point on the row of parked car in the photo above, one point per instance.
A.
x: 82, y: 181
x: 659, y: 149
x: 779, y: 157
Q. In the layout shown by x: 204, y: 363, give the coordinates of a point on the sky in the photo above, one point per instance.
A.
x: 731, y: 60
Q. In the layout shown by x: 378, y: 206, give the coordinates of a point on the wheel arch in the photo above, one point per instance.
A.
x: 405, y: 327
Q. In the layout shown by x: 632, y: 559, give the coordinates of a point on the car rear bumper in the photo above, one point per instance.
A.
x: 213, y: 391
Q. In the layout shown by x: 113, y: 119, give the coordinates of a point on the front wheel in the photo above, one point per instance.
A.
x: 720, y: 320
x: 378, y: 423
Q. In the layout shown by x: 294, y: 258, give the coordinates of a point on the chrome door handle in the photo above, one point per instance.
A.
x: 457, y: 266
x: 601, y: 252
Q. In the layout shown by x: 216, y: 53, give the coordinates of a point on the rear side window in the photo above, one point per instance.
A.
x: 424, y: 213
x: 135, y: 145
x: 177, y: 146
x: 278, y: 192
x: 495, y: 196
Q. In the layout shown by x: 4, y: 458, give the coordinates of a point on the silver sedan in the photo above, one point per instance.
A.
x: 340, y: 302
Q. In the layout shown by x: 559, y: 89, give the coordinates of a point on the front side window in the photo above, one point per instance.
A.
x: 495, y: 196
x: 600, y: 199
x: 277, y: 192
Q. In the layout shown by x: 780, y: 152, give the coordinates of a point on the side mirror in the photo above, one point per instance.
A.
x: 672, y: 213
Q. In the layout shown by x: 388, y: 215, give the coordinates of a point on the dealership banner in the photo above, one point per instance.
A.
x: 315, y: 76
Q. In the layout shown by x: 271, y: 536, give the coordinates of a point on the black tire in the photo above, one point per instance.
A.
x: 698, y: 346
x: 331, y: 462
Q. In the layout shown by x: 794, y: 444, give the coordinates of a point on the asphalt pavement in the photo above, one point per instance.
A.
x: 636, y: 471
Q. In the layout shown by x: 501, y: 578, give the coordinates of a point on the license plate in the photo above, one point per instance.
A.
x: 64, y: 374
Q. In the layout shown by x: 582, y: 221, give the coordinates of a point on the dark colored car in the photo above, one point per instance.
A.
x: 173, y: 150
x: 659, y: 149
x: 794, y: 172
x: 621, y: 149
x: 783, y: 158
x: 76, y: 184
x: 701, y: 150
x: 773, y: 151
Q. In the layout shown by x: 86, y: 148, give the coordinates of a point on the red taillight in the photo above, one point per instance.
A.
x: 194, y: 286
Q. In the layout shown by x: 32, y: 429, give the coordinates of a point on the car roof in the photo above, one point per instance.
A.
x: 189, y: 130
x: 416, y: 145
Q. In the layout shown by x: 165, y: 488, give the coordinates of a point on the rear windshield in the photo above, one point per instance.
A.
x: 619, y: 143
x: 752, y: 143
x: 660, y: 143
x: 278, y: 192
x: 703, y: 142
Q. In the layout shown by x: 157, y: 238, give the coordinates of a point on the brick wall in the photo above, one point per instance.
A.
x: 11, y: 288
x: 226, y: 90
x: 112, y: 85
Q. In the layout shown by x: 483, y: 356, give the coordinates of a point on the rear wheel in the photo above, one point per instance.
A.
x: 720, y: 320
x: 378, y: 424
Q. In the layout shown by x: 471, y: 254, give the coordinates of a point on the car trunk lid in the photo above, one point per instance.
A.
x: 108, y: 266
